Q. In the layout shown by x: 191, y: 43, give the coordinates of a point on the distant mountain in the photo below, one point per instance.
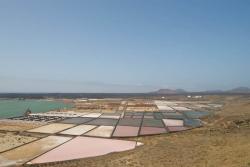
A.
x: 240, y: 90
x: 214, y: 91
x: 169, y: 91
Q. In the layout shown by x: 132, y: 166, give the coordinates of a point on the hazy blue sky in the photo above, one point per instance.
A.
x: 123, y: 45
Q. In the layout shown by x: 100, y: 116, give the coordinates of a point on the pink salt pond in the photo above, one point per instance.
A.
x: 82, y: 147
x: 126, y: 131
x: 152, y: 130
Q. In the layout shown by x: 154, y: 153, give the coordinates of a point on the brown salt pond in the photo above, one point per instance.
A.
x: 173, y: 122
x: 78, y: 130
x: 101, y: 131
x: 52, y: 128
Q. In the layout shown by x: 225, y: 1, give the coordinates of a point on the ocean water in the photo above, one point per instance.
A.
x: 14, y: 107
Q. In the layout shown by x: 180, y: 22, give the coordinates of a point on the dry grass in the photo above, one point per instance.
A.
x: 16, y: 125
x: 10, y: 140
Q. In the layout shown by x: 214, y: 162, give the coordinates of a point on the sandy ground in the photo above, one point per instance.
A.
x: 10, y: 140
x: 16, y: 125
x: 224, y: 142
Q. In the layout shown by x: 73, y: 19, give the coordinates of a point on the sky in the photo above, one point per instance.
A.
x: 121, y: 46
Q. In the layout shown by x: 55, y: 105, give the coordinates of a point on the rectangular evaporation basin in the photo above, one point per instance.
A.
x: 173, y: 122
x: 125, y: 112
x: 193, y: 123
x: 78, y: 120
x: 101, y: 131
x: 113, y: 115
x: 78, y: 130
x: 51, y: 128
x: 177, y: 128
x: 138, y: 113
x: 164, y: 111
x: 137, y: 116
x: 196, y: 114
x: 152, y: 130
x: 103, y: 121
x: 92, y: 115
x: 164, y: 107
x: 158, y: 115
x: 149, y: 116
x: 128, y: 114
x: 126, y: 131
x: 181, y: 108
x: 24, y: 153
x: 173, y: 115
x: 152, y: 123
x: 129, y: 122
x: 83, y: 147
